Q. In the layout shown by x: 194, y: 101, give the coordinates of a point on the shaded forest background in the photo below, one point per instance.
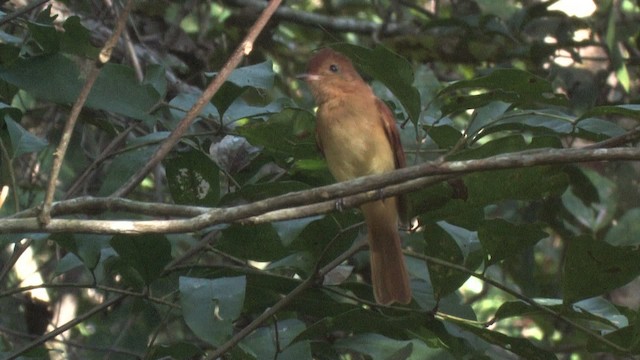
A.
x: 135, y: 228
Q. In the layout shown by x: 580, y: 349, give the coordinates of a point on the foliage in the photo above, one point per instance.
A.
x: 528, y: 261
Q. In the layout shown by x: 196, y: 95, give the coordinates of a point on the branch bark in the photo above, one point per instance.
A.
x: 352, y: 193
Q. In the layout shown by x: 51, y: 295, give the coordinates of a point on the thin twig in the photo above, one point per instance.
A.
x: 92, y: 76
x: 518, y: 296
x: 241, y: 51
x: 5, y: 19
x: 306, y: 284
x: 77, y: 320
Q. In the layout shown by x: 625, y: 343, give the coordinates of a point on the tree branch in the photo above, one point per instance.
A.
x: 352, y: 193
x: 242, y: 50
x: 92, y: 76
x: 334, y: 23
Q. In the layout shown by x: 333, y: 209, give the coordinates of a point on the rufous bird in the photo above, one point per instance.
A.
x: 357, y: 135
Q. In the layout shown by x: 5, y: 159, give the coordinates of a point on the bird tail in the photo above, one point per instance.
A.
x: 389, y: 274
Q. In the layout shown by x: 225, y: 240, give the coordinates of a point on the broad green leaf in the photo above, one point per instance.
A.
x: 597, y: 129
x: 599, y: 312
x: 455, y: 245
x: 147, y: 254
x: 68, y: 262
x: 22, y: 141
x: 44, y: 36
x: 193, y: 178
x: 377, y: 64
x: 76, y: 39
x: 446, y: 136
x: 626, y: 110
x: 626, y: 231
x: 380, y: 347
x: 240, y: 109
x: 182, y: 102
x: 175, y: 351
x: 486, y: 116
x: 264, y: 343
x: 87, y: 247
x: 538, y: 122
x: 127, y: 163
x: 258, y: 76
x: 256, y: 242
x: 288, y: 230
x: 519, y: 346
x: 116, y: 90
x: 288, y: 135
x: 358, y: 320
x: 507, y: 85
x: 261, y: 191
x: 627, y: 338
x: 597, y: 215
x: 494, y: 187
x: 594, y: 267
x: 211, y: 306
x: 328, y: 237
x: 155, y: 75
x: 501, y: 239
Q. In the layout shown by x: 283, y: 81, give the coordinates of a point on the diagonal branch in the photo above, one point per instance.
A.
x: 242, y: 50
x: 92, y: 76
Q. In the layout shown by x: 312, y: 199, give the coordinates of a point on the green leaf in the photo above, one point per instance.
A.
x: 519, y: 346
x: 288, y: 230
x: 76, y: 39
x: 193, y: 178
x: 87, y: 247
x: 380, y: 347
x: 597, y: 129
x: 116, y: 90
x: 45, y: 37
x: 148, y: 253
x: 258, y: 242
x: 626, y: 231
x: 376, y: 63
x: 446, y: 136
x: 126, y: 164
x: 258, y: 76
x: 600, y: 313
x: 262, y: 342
x: 595, y: 267
x: 287, y: 135
x: 626, y: 110
x: 486, y: 116
x: 211, y: 306
x: 155, y: 75
x: 455, y: 245
x: 507, y: 85
x: 22, y: 141
x: 175, y: 351
x: 501, y: 239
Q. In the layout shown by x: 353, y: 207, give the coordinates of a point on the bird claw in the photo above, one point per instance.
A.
x: 340, y: 205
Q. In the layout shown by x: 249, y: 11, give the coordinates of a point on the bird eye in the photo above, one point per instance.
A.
x: 333, y: 68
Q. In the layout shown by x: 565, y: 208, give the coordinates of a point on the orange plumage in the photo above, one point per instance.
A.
x: 357, y: 134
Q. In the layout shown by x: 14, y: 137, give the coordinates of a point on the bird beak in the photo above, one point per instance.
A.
x: 309, y: 77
